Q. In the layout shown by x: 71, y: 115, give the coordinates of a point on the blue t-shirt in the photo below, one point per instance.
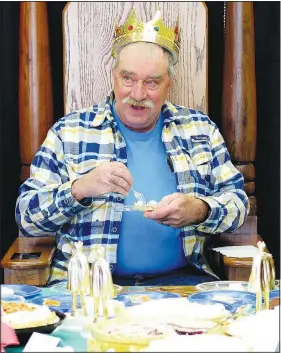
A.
x: 146, y: 247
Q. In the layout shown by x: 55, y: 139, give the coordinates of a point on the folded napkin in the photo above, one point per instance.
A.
x: 238, y: 251
x: 8, y: 336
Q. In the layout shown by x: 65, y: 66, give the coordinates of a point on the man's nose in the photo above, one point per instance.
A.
x: 139, y: 91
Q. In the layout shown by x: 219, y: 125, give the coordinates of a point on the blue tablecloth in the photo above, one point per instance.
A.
x: 68, y: 338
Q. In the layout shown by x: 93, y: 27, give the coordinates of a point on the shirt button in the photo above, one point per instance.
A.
x: 66, y: 201
x: 114, y: 229
x: 120, y: 139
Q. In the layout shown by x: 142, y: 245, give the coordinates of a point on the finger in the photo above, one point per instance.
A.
x: 166, y: 200
x: 159, y: 213
x: 118, y: 183
x: 123, y: 173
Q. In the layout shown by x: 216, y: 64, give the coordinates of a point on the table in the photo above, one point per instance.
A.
x: 74, y: 339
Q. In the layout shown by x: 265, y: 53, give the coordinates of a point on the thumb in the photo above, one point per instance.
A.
x: 166, y: 200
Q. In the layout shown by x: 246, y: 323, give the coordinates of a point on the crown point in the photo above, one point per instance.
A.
x: 130, y: 28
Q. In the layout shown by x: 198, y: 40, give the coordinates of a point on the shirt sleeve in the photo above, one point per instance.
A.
x: 45, y: 201
x: 229, y: 204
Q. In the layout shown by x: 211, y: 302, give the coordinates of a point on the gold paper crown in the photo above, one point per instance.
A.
x: 154, y: 31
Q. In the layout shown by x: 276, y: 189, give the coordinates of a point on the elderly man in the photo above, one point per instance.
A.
x: 90, y: 159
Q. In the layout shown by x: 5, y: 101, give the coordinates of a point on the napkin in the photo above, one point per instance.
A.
x: 8, y: 336
x: 238, y: 251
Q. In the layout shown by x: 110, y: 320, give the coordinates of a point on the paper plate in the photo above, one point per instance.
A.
x: 135, y: 298
x: 23, y: 290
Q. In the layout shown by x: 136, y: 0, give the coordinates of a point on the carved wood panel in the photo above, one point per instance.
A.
x: 88, y: 33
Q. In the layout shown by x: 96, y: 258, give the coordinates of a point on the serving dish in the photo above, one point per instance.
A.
x: 25, y: 333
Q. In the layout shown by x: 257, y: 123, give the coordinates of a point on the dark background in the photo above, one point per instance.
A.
x: 267, y: 44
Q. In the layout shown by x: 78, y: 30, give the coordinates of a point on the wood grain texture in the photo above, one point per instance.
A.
x: 32, y: 277
x: 247, y: 170
x: 239, y: 84
x: 249, y: 188
x: 88, y: 32
x: 35, y: 87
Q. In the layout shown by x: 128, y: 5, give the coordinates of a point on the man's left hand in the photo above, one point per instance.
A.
x: 178, y: 210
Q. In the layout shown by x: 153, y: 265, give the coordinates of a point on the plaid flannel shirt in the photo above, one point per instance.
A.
x: 83, y: 140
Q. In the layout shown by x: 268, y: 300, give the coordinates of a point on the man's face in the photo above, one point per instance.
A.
x: 141, y: 83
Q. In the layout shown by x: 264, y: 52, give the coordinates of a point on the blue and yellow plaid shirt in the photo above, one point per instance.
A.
x: 83, y: 140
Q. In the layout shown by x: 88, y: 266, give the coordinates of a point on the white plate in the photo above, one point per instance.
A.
x: 222, y: 285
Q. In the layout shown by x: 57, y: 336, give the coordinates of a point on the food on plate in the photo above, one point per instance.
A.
x: 154, y: 320
x: 13, y: 307
x: 51, y: 302
x: 180, y: 307
x: 274, y: 302
x: 184, y: 317
x: 24, y: 315
x: 149, y: 206
x: 129, y: 331
x: 261, y: 330
x: 137, y: 299
x: 203, y: 343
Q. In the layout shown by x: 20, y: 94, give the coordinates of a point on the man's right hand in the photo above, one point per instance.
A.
x: 107, y: 177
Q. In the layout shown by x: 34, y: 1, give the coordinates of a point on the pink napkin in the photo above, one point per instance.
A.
x: 8, y: 336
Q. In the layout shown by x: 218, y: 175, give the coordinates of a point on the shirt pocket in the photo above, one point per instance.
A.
x: 77, y: 169
x: 201, y: 155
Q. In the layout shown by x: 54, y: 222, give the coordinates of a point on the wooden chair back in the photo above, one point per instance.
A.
x: 88, y: 31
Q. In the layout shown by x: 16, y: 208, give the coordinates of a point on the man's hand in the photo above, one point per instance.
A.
x: 178, y: 210
x: 107, y: 177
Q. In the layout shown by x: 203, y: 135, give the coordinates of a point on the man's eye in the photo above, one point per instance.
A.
x: 127, y: 78
x: 152, y: 84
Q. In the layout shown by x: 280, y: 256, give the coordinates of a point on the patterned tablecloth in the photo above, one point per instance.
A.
x: 75, y: 340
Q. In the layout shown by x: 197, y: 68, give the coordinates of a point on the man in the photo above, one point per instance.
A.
x: 90, y: 160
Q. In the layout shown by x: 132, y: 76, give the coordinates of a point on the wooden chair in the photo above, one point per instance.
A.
x: 87, y: 32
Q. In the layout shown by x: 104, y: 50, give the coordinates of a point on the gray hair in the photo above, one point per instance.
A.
x: 171, y: 68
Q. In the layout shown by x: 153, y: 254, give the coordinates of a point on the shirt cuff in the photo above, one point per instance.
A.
x: 69, y: 206
x: 214, y: 215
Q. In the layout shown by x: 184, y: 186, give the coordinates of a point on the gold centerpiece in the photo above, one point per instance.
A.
x: 102, y: 289
x: 262, y: 278
x: 78, y: 277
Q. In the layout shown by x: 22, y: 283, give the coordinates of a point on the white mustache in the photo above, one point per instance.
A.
x: 147, y: 103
